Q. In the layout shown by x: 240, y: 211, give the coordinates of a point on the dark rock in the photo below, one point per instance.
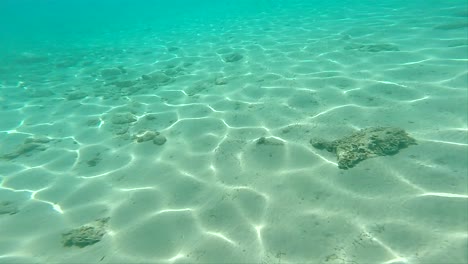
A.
x: 366, y: 143
x: 322, y: 144
x: 159, y: 140
x: 85, y: 235
x: 94, y: 161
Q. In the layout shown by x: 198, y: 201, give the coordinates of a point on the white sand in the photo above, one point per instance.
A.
x: 210, y: 194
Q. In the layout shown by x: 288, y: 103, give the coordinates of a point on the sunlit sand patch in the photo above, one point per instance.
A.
x: 138, y: 188
x: 258, y: 231
x: 448, y: 195
x: 447, y: 142
x: 332, y: 109
x: 221, y: 236
x: 418, y: 100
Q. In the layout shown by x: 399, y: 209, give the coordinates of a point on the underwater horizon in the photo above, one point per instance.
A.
x: 234, y: 131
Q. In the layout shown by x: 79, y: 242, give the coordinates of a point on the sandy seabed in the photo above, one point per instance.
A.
x: 194, y: 147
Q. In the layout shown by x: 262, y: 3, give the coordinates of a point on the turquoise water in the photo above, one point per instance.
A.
x: 187, y: 131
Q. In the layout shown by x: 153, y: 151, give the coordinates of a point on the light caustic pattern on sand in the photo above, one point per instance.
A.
x: 237, y: 180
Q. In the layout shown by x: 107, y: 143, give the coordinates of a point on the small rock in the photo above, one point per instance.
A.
x: 319, y: 143
x: 94, y: 161
x: 85, y: 235
x: 366, y: 143
x: 159, y: 140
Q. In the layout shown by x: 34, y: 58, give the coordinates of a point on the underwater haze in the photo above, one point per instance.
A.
x: 234, y: 131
